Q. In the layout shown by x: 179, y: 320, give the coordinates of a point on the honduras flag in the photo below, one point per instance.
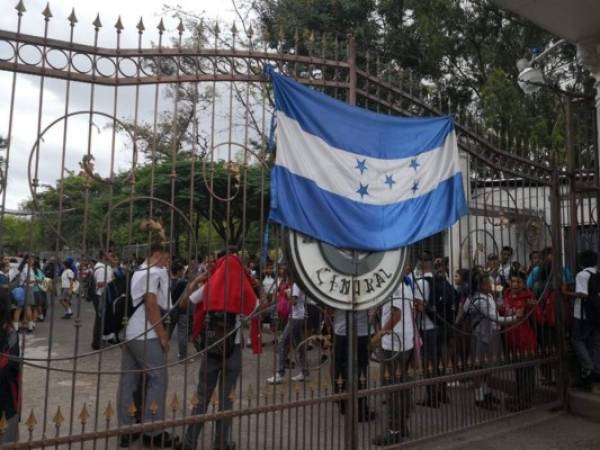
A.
x: 360, y: 180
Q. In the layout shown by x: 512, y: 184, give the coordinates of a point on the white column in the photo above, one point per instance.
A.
x: 588, y: 54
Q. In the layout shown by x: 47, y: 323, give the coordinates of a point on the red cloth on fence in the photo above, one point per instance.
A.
x: 230, y: 289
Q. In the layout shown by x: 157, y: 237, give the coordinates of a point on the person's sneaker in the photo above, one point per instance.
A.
x: 40, y: 318
x: 300, y: 377
x: 127, y: 439
x: 390, y: 437
x: 67, y: 316
x: 275, y: 379
x: 161, y: 440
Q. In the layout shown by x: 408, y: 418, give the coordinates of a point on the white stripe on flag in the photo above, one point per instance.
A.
x: 334, y: 170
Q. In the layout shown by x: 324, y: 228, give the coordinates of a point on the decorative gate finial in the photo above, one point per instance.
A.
x: 72, y: 18
x: 46, y: 12
x: 140, y: 26
x: 119, y: 25
x: 97, y: 23
x: 20, y: 8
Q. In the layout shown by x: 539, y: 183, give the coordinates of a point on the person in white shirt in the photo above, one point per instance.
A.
x: 486, y: 342
x: 102, y: 275
x: 585, y: 336
x: 397, y: 340
x: 292, y: 333
x: 147, y: 344
x: 433, y: 339
x: 340, y: 368
x: 67, y: 281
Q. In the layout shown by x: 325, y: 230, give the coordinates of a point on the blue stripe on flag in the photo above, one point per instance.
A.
x: 303, y: 206
x: 355, y: 129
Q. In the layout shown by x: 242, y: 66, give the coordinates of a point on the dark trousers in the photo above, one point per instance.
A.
x: 97, y: 332
x: 340, y: 369
x: 525, y: 378
x: 547, y: 345
x: 226, y: 374
x: 433, y: 347
x: 585, y: 339
x: 398, y: 401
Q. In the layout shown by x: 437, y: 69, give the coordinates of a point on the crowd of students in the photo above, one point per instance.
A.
x: 436, y: 322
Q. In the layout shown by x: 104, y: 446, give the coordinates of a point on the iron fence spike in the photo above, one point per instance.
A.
x: 180, y: 26
x: 31, y: 421
x: 47, y: 13
x: 97, y: 22
x: 140, y: 25
x: 153, y: 407
x: 20, y: 7
x: 119, y: 25
x: 234, y: 29
x: 72, y: 17
x: 84, y: 415
x: 161, y: 26
x: 216, y: 28
x: 58, y: 418
x: 109, y: 411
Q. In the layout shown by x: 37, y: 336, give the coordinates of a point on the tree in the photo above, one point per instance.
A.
x: 466, y: 50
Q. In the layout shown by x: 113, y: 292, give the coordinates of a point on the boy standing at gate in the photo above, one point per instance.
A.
x: 585, y: 333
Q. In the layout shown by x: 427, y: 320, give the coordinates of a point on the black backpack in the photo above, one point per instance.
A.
x: 442, y: 302
x: 120, y: 304
x: 90, y: 288
x: 591, y: 305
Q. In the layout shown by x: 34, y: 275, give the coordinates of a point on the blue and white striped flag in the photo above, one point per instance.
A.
x: 361, y: 180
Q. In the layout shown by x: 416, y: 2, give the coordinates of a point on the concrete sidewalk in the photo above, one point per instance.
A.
x: 540, y: 430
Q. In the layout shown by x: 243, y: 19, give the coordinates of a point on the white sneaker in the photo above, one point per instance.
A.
x: 300, y: 377
x: 275, y: 379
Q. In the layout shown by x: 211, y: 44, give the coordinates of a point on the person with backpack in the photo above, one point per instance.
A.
x: 293, y: 333
x: 486, y: 342
x: 180, y: 315
x: 99, y: 279
x: 435, y: 303
x: 341, y: 357
x: 521, y: 339
x: 397, y: 338
x: 10, y: 372
x: 222, y: 297
x: 585, y: 328
x: 144, y: 354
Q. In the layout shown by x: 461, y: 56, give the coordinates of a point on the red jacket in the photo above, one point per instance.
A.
x: 521, y: 336
x: 230, y: 289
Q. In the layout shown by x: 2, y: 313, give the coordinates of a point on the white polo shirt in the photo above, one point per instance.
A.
x: 581, y: 287
x: 403, y: 337
x: 154, y: 280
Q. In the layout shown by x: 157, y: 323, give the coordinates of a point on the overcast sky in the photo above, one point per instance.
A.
x: 27, y: 98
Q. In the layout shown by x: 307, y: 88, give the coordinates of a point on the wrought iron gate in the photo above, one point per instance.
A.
x: 179, y: 132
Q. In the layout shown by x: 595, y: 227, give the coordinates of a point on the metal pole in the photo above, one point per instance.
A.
x: 557, y: 277
x: 351, y: 410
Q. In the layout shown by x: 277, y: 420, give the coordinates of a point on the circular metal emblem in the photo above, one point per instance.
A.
x: 344, y: 279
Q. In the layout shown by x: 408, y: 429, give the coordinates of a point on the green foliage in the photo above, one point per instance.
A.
x: 96, y: 212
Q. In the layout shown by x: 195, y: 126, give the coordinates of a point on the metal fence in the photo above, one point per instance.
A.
x: 178, y: 131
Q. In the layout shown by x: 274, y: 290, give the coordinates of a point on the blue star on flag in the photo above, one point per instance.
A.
x: 361, y: 165
x: 414, y: 164
x: 363, y: 190
x: 389, y: 180
x: 415, y: 187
